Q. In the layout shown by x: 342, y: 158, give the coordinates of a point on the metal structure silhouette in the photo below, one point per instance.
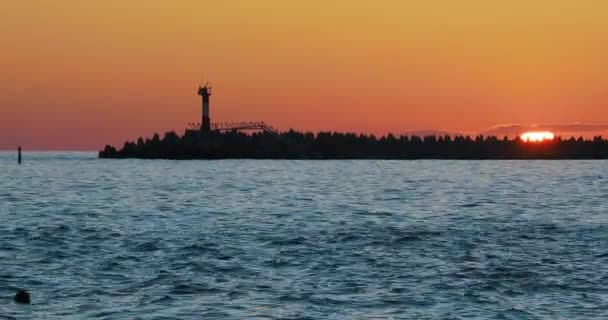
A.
x: 237, y: 126
x: 204, y: 90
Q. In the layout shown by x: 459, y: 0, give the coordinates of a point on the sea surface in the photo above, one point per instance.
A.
x: 251, y: 239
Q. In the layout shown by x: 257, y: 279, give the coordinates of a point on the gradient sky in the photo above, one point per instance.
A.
x: 80, y: 74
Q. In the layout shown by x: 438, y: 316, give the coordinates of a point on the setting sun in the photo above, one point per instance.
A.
x: 537, y: 136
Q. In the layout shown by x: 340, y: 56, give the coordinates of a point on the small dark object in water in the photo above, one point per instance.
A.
x: 22, y: 297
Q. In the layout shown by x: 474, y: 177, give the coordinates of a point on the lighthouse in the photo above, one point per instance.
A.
x: 205, y: 92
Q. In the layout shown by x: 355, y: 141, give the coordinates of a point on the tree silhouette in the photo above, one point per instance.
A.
x: 334, y: 145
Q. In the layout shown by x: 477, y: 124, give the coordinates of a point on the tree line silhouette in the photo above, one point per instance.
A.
x: 334, y: 145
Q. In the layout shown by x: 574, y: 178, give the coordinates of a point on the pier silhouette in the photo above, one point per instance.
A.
x: 259, y: 140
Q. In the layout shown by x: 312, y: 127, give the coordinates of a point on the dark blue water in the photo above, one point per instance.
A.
x: 129, y: 239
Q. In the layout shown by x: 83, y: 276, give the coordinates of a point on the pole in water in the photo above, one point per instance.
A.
x: 19, y: 154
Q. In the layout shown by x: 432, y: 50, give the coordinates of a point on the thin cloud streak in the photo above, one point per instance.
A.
x: 572, y: 129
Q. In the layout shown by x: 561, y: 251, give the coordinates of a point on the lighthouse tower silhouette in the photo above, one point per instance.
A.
x: 205, y: 92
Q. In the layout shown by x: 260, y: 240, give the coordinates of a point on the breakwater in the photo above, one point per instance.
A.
x: 333, y: 145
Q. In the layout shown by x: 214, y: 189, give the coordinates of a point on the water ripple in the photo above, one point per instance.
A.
x: 303, y: 239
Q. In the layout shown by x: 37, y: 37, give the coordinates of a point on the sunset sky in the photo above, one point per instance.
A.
x: 82, y: 74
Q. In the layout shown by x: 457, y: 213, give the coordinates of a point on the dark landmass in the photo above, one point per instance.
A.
x: 328, y: 145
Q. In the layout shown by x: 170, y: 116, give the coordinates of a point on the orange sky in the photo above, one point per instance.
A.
x: 79, y: 74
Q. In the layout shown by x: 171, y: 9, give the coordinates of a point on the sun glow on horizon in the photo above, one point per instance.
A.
x: 537, y: 136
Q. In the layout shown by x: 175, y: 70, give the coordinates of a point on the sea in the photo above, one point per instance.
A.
x: 273, y: 239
